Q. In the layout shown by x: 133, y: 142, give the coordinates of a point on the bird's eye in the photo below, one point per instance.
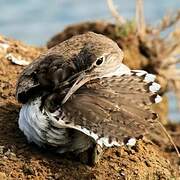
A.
x: 99, y: 61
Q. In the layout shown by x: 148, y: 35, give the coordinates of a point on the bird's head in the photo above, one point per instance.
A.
x: 98, y: 57
x: 64, y: 68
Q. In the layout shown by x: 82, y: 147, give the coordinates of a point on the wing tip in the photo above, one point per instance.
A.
x: 153, y: 86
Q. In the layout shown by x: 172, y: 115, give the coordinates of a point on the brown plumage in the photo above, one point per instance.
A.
x: 116, y: 107
x: 62, y: 61
x: 79, y: 94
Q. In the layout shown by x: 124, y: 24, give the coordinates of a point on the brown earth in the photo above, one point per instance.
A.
x: 20, y: 160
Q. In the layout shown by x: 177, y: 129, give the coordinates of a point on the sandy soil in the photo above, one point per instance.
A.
x: 20, y: 160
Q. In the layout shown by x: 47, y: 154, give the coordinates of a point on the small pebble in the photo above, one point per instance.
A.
x: 2, y: 163
x: 3, y: 176
x: 118, y: 154
x: 122, y: 174
x: 28, y: 170
x: 131, y: 142
x: 1, y: 149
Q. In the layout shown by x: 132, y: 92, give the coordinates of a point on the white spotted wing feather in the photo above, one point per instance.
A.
x: 115, y: 108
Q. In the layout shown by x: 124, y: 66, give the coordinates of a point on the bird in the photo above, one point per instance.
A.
x: 78, y: 95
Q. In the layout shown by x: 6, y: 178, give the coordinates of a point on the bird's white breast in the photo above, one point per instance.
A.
x: 37, y: 127
x: 119, y: 71
x: 45, y: 128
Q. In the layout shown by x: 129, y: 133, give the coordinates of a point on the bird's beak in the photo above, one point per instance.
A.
x: 83, y: 78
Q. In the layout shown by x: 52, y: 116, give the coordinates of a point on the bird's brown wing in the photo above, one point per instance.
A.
x: 27, y: 81
x: 116, y: 107
x: 42, y: 75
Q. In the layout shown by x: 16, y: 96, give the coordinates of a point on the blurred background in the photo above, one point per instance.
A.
x: 35, y: 21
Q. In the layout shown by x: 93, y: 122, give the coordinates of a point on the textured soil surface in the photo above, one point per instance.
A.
x: 20, y: 160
